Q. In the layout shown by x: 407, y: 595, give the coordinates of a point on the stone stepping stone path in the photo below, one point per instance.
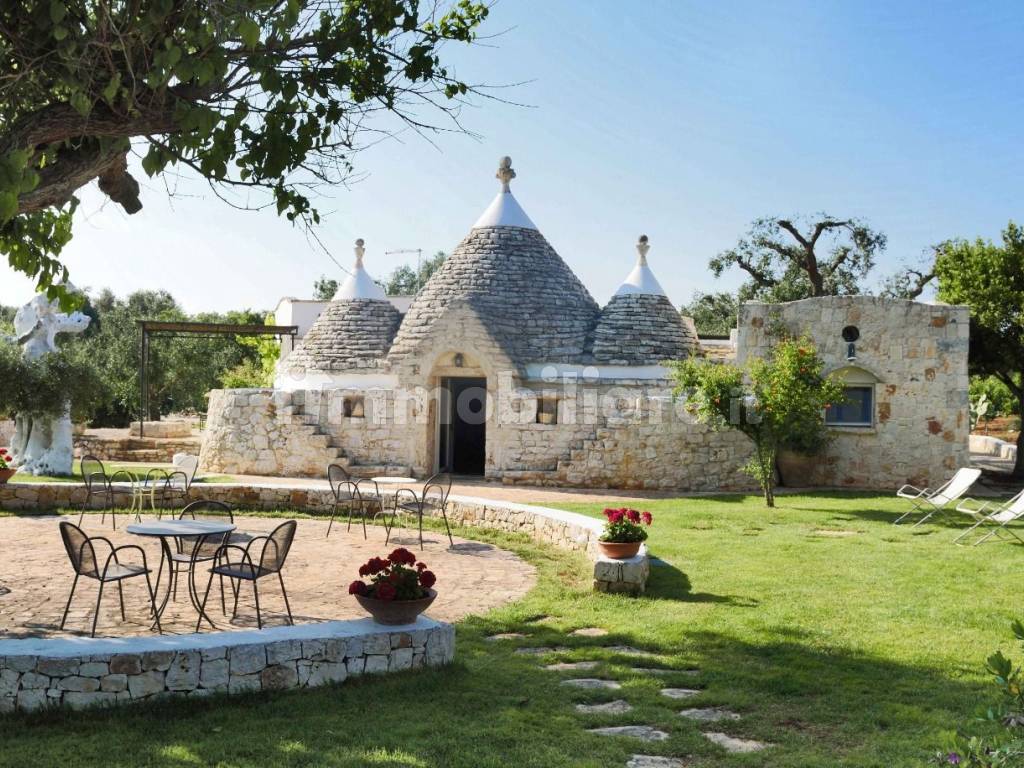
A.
x: 628, y: 650
x: 709, y: 714
x: 505, y: 636
x: 541, y: 650
x: 589, y: 632
x: 654, y: 761
x: 593, y: 683
x: 617, y: 707
x: 680, y: 693
x: 731, y: 744
x: 567, y: 666
x: 664, y: 672
x: 642, y: 732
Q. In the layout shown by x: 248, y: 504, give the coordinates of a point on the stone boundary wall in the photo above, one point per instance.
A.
x: 84, y: 672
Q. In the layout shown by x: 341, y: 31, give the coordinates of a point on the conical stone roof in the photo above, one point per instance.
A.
x: 528, y: 299
x: 640, y: 326
x: 354, y: 331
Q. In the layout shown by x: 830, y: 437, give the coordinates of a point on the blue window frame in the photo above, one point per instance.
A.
x: 857, y: 411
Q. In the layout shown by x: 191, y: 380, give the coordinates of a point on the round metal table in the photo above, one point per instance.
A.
x: 165, y: 530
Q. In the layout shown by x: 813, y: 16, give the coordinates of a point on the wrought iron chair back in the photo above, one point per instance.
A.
x: 337, y: 475
x: 276, y: 547
x: 81, y: 552
x: 205, y: 547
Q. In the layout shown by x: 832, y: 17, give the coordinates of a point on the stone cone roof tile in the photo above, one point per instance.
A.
x: 642, y: 329
x: 525, y: 295
x: 349, y: 334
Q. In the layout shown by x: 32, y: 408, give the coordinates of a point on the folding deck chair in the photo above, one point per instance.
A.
x: 927, y: 502
x: 996, y: 514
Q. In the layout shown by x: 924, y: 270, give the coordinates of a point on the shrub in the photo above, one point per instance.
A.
x: 778, y: 402
x: 623, y: 526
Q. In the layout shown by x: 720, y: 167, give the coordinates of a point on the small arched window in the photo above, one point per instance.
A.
x: 858, y: 408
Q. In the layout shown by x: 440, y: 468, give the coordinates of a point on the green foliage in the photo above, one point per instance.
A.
x: 989, y: 278
x: 325, y: 288
x: 1005, y: 747
x: 43, y: 387
x: 714, y: 314
x: 254, y: 96
x: 407, y: 281
x: 181, y: 370
x: 778, y: 402
x: 258, y: 369
x: 1003, y: 402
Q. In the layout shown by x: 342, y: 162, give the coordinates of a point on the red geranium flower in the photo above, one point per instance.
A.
x: 421, y: 566
x: 402, y: 556
x: 385, y: 591
x: 648, y: 518
x: 633, y: 515
x: 427, y: 579
x: 357, y: 588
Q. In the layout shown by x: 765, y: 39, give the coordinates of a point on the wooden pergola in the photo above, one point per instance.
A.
x: 161, y: 329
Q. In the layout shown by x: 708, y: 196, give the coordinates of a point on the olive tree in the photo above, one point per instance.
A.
x: 269, y: 98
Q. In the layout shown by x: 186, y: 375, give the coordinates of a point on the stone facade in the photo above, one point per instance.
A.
x: 913, y: 355
x: 36, y: 674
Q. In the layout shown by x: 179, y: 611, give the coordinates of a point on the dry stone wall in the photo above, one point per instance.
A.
x: 36, y: 674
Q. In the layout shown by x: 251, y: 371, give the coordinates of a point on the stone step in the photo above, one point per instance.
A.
x: 655, y: 761
x: 680, y: 693
x: 642, y: 732
x: 732, y: 744
x: 593, y: 683
x: 709, y: 714
x: 617, y: 707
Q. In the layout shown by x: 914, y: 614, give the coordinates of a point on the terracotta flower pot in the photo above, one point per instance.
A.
x: 6, y: 474
x: 395, y: 612
x: 619, y: 550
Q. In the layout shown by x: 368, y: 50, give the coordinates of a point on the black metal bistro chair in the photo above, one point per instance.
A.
x: 271, y: 560
x: 81, y: 551
x: 431, y: 500
x: 97, y: 483
x: 353, y: 496
x: 190, y: 550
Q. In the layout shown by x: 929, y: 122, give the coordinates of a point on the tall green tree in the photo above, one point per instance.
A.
x: 791, y: 259
x: 406, y: 280
x: 325, y: 288
x: 266, y: 98
x: 989, y: 278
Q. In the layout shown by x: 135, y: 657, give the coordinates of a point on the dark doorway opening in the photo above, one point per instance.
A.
x: 462, y: 441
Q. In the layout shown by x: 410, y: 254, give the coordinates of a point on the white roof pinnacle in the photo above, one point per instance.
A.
x: 359, y: 284
x: 504, y: 210
x: 641, y: 279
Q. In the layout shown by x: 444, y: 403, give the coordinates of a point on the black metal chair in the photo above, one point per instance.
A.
x: 346, y: 495
x: 271, y: 561
x: 431, y: 500
x: 200, y: 549
x: 94, y: 475
x: 81, y: 551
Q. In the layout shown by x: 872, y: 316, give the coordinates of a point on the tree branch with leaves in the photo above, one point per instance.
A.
x: 258, y: 96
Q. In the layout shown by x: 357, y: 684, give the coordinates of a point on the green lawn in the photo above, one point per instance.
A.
x: 139, y: 470
x: 859, y: 648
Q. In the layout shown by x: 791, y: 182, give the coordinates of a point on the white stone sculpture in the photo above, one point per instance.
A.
x: 44, y: 445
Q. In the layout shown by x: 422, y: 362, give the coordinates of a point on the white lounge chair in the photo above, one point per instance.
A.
x: 927, y: 502
x: 997, y: 514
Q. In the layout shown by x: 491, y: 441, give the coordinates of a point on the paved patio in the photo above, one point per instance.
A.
x: 35, y: 577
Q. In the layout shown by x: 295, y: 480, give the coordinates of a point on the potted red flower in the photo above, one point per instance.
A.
x: 623, y: 533
x: 400, y: 588
x: 6, y: 470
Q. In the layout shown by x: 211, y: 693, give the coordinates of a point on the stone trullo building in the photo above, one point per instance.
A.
x: 505, y: 366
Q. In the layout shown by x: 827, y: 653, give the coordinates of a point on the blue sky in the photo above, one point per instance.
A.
x: 684, y: 121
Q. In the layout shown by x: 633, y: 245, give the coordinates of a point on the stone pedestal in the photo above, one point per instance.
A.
x: 626, y: 576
